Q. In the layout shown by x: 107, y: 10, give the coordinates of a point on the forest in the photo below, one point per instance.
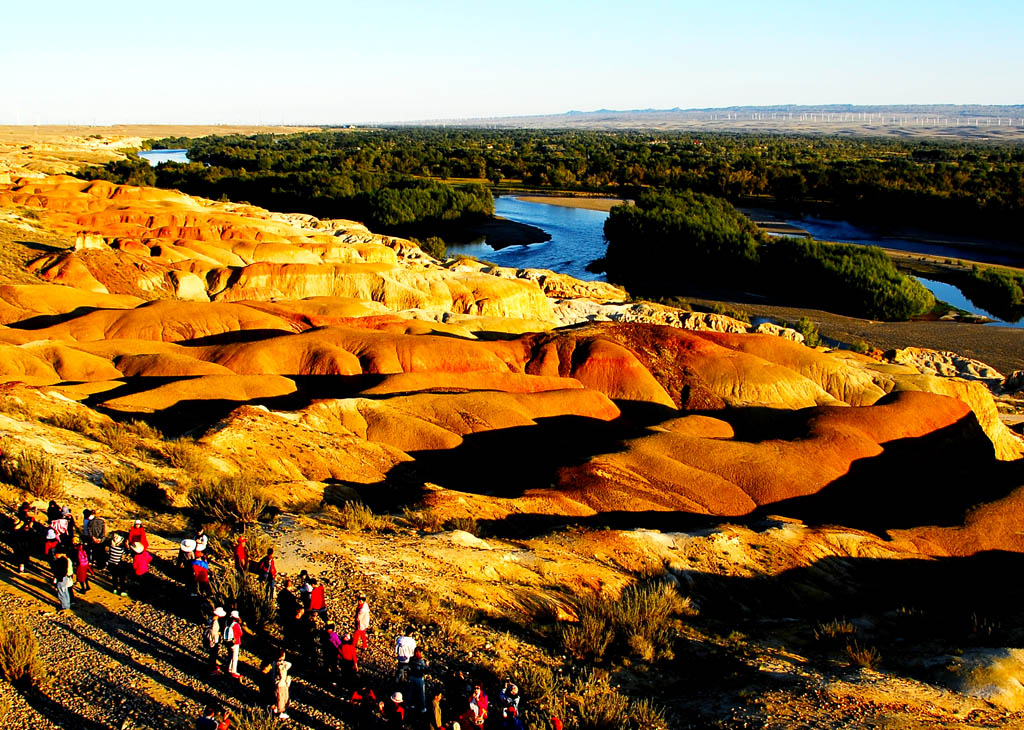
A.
x: 948, y: 186
x: 701, y: 240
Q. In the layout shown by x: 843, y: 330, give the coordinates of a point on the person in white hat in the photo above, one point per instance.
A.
x: 186, y: 554
x: 395, y: 712
x: 233, y: 638
x: 212, y: 640
x: 116, y: 565
x: 51, y: 544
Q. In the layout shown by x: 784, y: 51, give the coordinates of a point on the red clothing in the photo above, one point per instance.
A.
x: 316, y: 599
x: 138, y: 534
x: 242, y: 556
x: 49, y: 547
x: 140, y: 562
x: 348, y: 653
x: 201, y: 573
x: 268, y: 567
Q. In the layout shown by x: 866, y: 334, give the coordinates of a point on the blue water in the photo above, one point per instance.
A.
x: 155, y: 157
x: 951, y: 295
x: 577, y: 238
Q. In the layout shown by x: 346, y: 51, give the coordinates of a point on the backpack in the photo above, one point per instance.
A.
x: 210, y: 637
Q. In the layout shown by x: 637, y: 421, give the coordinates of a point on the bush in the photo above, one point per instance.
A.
x: 246, y: 593
x: 809, y: 330
x: 435, y: 247
x: 32, y: 470
x: 726, y: 310
x: 72, y: 420
x: 118, y: 437
x: 592, y: 633
x: 537, y: 682
x: 185, y: 454
x: 240, y: 498
x: 836, y: 631
x: 428, y: 520
x: 357, y: 517
x: 466, y: 524
x: 19, y: 660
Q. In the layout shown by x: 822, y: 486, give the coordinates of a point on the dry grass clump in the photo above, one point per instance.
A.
x: 132, y: 483
x: 32, y: 470
x: 71, y: 420
x: 19, y: 652
x: 239, y: 498
x: 861, y: 655
x: 428, y: 520
x: 538, y: 682
x: 118, y: 437
x: 246, y: 593
x: 13, y: 406
x: 185, y: 454
x: 642, y: 621
x: 254, y: 719
x: 599, y: 706
x: 357, y: 517
x: 834, y: 632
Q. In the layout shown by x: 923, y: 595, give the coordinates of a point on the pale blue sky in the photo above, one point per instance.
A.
x: 339, y: 61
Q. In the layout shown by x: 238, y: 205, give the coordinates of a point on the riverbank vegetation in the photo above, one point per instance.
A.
x: 698, y: 239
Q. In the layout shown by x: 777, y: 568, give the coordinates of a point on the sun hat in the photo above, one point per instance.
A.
x: 234, y: 614
x: 396, y: 697
x: 188, y: 545
x: 348, y: 637
x: 117, y: 539
x: 138, y: 523
x: 137, y: 547
x: 219, y: 612
x: 51, y: 534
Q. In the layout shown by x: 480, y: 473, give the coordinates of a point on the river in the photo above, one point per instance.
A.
x: 155, y: 157
x: 577, y: 238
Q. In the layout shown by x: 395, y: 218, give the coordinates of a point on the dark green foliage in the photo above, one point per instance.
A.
x: 698, y: 239
x: 999, y: 291
x: 434, y: 246
x: 131, y: 171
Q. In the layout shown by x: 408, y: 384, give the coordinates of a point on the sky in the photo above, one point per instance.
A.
x: 337, y: 62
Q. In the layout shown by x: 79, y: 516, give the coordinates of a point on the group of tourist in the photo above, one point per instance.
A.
x: 77, y: 553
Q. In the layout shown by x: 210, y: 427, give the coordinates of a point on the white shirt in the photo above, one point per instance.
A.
x: 405, y: 647
x: 363, y: 616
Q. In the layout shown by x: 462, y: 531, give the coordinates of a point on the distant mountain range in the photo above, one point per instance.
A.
x: 982, y: 121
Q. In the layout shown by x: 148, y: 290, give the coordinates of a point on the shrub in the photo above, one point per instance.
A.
x: 860, y: 347
x: 598, y: 704
x: 862, y: 655
x: 124, y: 480
x: 254, y: 719
x: 118, y: 437
x: 184, y: 454
x: 738, y: 314
x: 466, y: 524
x: 19, y: 660
x: 240, y: 498
x: 537, y: 682
x: 435, y: 247
x: 357, y: 517
x: 246, y: 593
x: 145, y: 431
x: 812, y: 338
x: 32, y: 470
x: 592, y: 633
x: 428, y: 520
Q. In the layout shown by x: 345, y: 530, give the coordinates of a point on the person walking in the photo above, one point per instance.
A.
x: 82, y: 567
x: 330, y: 650
x: 141, y: 559
x: 317, y: 598
x: 359, y: 637
x: 201, y: 575
x: 212, y: 640
x: 63, y: 578
x: 282, y: 681
x: 233, y: 637
x: 437, y: 712
x: 51, y: 544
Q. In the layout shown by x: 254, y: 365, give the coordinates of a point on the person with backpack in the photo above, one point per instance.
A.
x: 317, y: 598
x: 233, y: 638
x: 212, y: 640
x: 82, y: 567
x: 63, y: 578
x: 267, y: 571
x: 349, y: 661
x: 97, y: 540
x: 282, y: 682
x: 141, y: 558
x: 201, y: 574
